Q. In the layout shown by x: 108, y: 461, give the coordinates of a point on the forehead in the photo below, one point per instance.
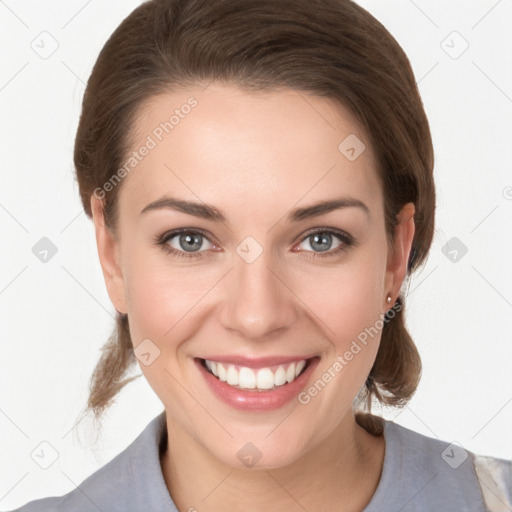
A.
x: 233, y: 148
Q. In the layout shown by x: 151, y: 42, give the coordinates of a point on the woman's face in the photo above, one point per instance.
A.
x: 225, y: 253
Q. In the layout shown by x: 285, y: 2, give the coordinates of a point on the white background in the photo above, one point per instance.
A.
x: 55, y: 316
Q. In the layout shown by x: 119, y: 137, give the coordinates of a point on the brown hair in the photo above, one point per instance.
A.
x: 331, y: 48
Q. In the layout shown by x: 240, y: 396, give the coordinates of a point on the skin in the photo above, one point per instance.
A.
x: 256, y: 156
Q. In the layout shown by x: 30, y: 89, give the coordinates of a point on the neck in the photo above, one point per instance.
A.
x: 340, y: 473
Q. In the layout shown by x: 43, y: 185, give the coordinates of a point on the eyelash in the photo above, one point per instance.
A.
x: 346, y: 239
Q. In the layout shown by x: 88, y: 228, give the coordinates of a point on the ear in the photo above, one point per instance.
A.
x: 398, y: 257
x: 108, y: 252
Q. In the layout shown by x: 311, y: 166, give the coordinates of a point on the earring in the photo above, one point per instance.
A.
x: 389, y: 299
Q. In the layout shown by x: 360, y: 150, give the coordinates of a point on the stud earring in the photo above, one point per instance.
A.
x: 389, y: 299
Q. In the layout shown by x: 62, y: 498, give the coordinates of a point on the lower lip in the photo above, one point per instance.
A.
x: 253, y: 400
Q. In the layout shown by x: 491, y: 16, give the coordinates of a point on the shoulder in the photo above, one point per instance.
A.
x: 424, y: 473
x: 495, y: 478
x: 122, y: 483
x: 90, y: 494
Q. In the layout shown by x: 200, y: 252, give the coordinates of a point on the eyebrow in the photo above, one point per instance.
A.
x: 209, y: 212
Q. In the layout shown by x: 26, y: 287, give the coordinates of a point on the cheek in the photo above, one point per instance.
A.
x: 163, y: 307
x: 164, y: 299
x: 346, y: 298
x: 156, y: 301
x: 356, y: 306
x: 348, y: 302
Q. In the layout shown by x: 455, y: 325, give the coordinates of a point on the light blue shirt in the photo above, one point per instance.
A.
x: 419, y: 474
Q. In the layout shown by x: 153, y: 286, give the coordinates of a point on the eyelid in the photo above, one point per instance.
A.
x: 169, y: 235
x: 325, y: 229
x: 346, y: 241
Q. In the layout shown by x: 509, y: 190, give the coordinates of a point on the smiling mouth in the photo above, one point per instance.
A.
x: 256, y: 379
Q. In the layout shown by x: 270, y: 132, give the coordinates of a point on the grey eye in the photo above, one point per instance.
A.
x: 188, y: 242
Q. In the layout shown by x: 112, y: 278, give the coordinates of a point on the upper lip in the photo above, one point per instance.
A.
x: 256, y: 362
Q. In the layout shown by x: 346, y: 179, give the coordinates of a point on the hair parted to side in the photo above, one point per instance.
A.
x: 330, y: 48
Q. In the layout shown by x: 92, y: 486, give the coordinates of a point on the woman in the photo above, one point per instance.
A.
x: 260, y: 178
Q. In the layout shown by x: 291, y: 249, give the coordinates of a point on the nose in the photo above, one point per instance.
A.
x: 257, y: 301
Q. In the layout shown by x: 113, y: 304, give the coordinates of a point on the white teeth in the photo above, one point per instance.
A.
x: 232, y: 376
x: 246, y: 378
x: 290, y: 373
x: 299, y: 366
x: 222, y: 372
x: 263, y: 378
x: 280, y: 376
